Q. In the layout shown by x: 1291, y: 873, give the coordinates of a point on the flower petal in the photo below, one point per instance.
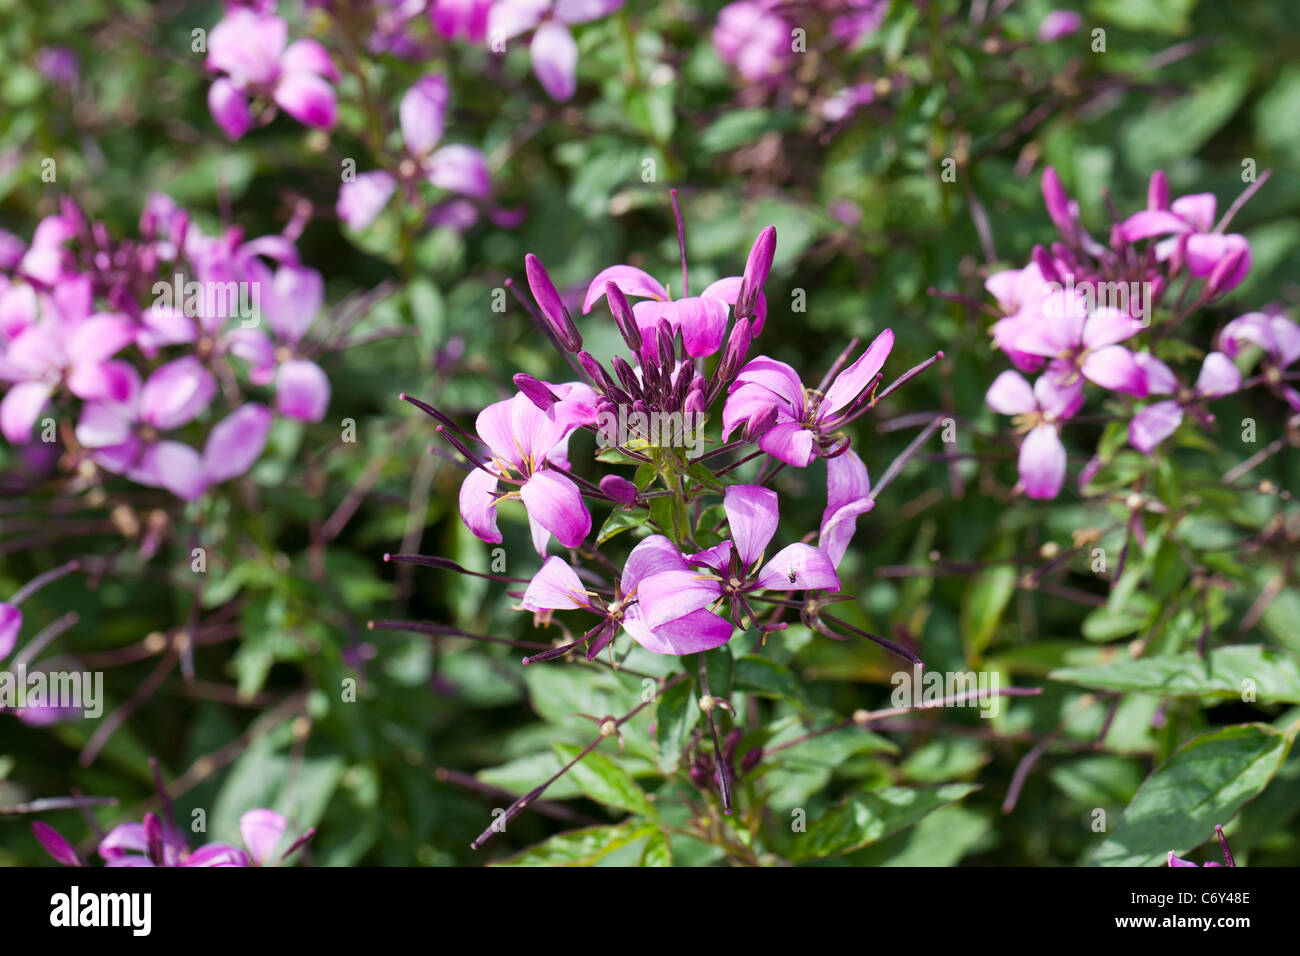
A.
x: 308, y: 98
x: 701, y: 630
x: 1114, y: 367
x: 810, y: 567
x: 1010, y: 394
x: 262, y: 831
x: 302, y: 391
x: 631, y: 281
x: 236, y: 442
x: 752, y: 517
x: 361, y: 200
x: 669, y: 595
x: 1154, y: 424
x: 654, y: 555
x: 555, y: 587
x: 555, y: 60
x: 478, y: 505
x: 1042, y: 463
x: 557, y: 505
x: 849, y: 384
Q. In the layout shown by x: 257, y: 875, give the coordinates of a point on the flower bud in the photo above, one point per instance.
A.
x: 760, y: 423
x: 757, y: 267
x: 623, y: 316
x: 1228, y: 271
x: 626, y: 376
x: 550, y: 305
x: 751, y: 759
x: 536, y: 390
x: 1058, y: 203
x: 1158, y: 191
x: 735, y: 351
x: 619, y: 489
x: 1046, y: 265
x: 667, y: 352
x: 596, y: 372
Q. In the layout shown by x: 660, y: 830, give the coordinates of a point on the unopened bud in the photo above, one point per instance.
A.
x: 757, y: 267
x: 623, y: 316
x: 619, y: 489
x: 736, y: 350
x: 550, y: 305
x: 536, y: 390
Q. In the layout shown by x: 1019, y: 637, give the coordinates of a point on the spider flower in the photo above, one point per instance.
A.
x: 1038, y: 413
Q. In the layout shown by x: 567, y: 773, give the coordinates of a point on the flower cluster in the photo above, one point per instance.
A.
x: 699, y: 572
x: 1083, y: 314
x: 115, y: 348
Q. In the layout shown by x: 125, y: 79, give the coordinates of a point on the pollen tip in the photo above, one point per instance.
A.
x: 401, y: 396
x: 387, y: 556
x: 370, y: 625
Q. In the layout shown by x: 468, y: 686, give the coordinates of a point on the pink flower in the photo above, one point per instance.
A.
x: 553, y: 50
x: 249, y: 48
x: 529, y: 449
x: 557, y: 587
x: 1277, y: 336
x: 1158, y: 421
x: 1085, y: 344
x: 806, y: 421
x: 1059, y: 24
x: 1189, y: 222
x: 848, y: 496
x: 1038, y: 412
x: 752, y: 518
x: 702, y: 319
x: 457, y: 169
x: 461, y: 19
x: 753, y: 39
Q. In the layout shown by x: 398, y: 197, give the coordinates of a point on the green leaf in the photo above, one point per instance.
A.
x: 720, y: 667
x: 1224, y: 672
x: 767, y: 678
x: 741, y: 127
x: 581, y: 847
x: 982, y: 608
x: 601, y: 779
x: 868, y: 817
x: 676, y: 713
x: 1203, y: 784
x: 620, y: 520
x: 656, y: 852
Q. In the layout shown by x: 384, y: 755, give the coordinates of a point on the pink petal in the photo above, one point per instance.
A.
x: 509, y: 18
x: 124, y: 839
x: 848, y: 487
x: 790, y: 442
x: 422, y: 112
x: 55, y: 845
x: 236, y: 442
x: 849, y: 384
x: 308, y: 98
x: 557, y: 505
x: 102, y: 425
x: 11, y: 622
x: 1154, y: 424
x: 1198, y: 209
x: 670, y: 595
x: 555, y: 60
x: 779, y: 378
x: 555, y: 587
x: 309, y: 56
x: 654, y: 555
x: 1151, y: 222
x: 361, y: 200
x: 460, y: 169
x: 1114, y: 367
x: 633, y: 282
x: 1010, y: 394
x: 111, y: 381
x: 701, y: 630
x: 1042, y: 463
x: 176, y: 393
x: 811, y: 567
x: 174, y: 466
x: 1108, y: 326
x: 583, y: 11
x: 752, y: 518
x: 1058, y: 401
x: 262, y: 831
x: 302, y: 391
x: 703, y: 323
x: 248, y: 46
x: 1160, y: 377
x: 20, y: 408
x: 1218, y: 376
x: 229, y: 108
x: 292, y: 302
x: 478, y: 507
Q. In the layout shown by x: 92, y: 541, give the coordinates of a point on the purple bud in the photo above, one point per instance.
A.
x: 1046, y: 265
x: 696, y: 402
x: 1158, y: 191
x: 757, y: 267
x: 550, y: 305
x: 619, y: 489
x: 55, y: 844
x: 626, y: 376
x: 1058, y: 203
x: 536, y: 390
x: 153, y: 836
x: 596, y: 372
x: 623, y: 316
x: 664, y: 338
x: 751, y: 759
x: 736, y: 350
x: 1225, y: 275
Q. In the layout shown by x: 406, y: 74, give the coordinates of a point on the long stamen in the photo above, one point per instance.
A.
x: 38, y: 582
x: 681, y: 242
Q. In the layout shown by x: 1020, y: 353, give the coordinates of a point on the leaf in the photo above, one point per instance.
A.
x: 657, y: 851
x: 766, y: 678
x: 676, y: 713
x: 601, y: 779
x: 982, y: 608
x: 1203, y: 784
x: 581, y: 847
x: 1148, y: 16
x: 720, y: 666
x: 620, y: 520
x: 742, y: 127
x: 1223, y: 672
x: 868, y: 817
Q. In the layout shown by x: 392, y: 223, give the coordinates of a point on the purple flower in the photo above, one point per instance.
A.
x: 553, y: 50
x: 1038, y: 412
x: 754, y: 40
x: 249, y: 48
x: 1277, y: 336
x: 752, y: 518
x: 1085, y: 344
x: 1059, y: 24
x: 1228, y: 859
x: 529, y: 449
x: 67, y: 348
x: 454, y: 168
x: 701, y: 319
x: 806, y: 420
x: 1158, y: 421
x: 848, y: 490
x: 461, y: 19
x: 557, y: 587
x: 1189, y: 222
